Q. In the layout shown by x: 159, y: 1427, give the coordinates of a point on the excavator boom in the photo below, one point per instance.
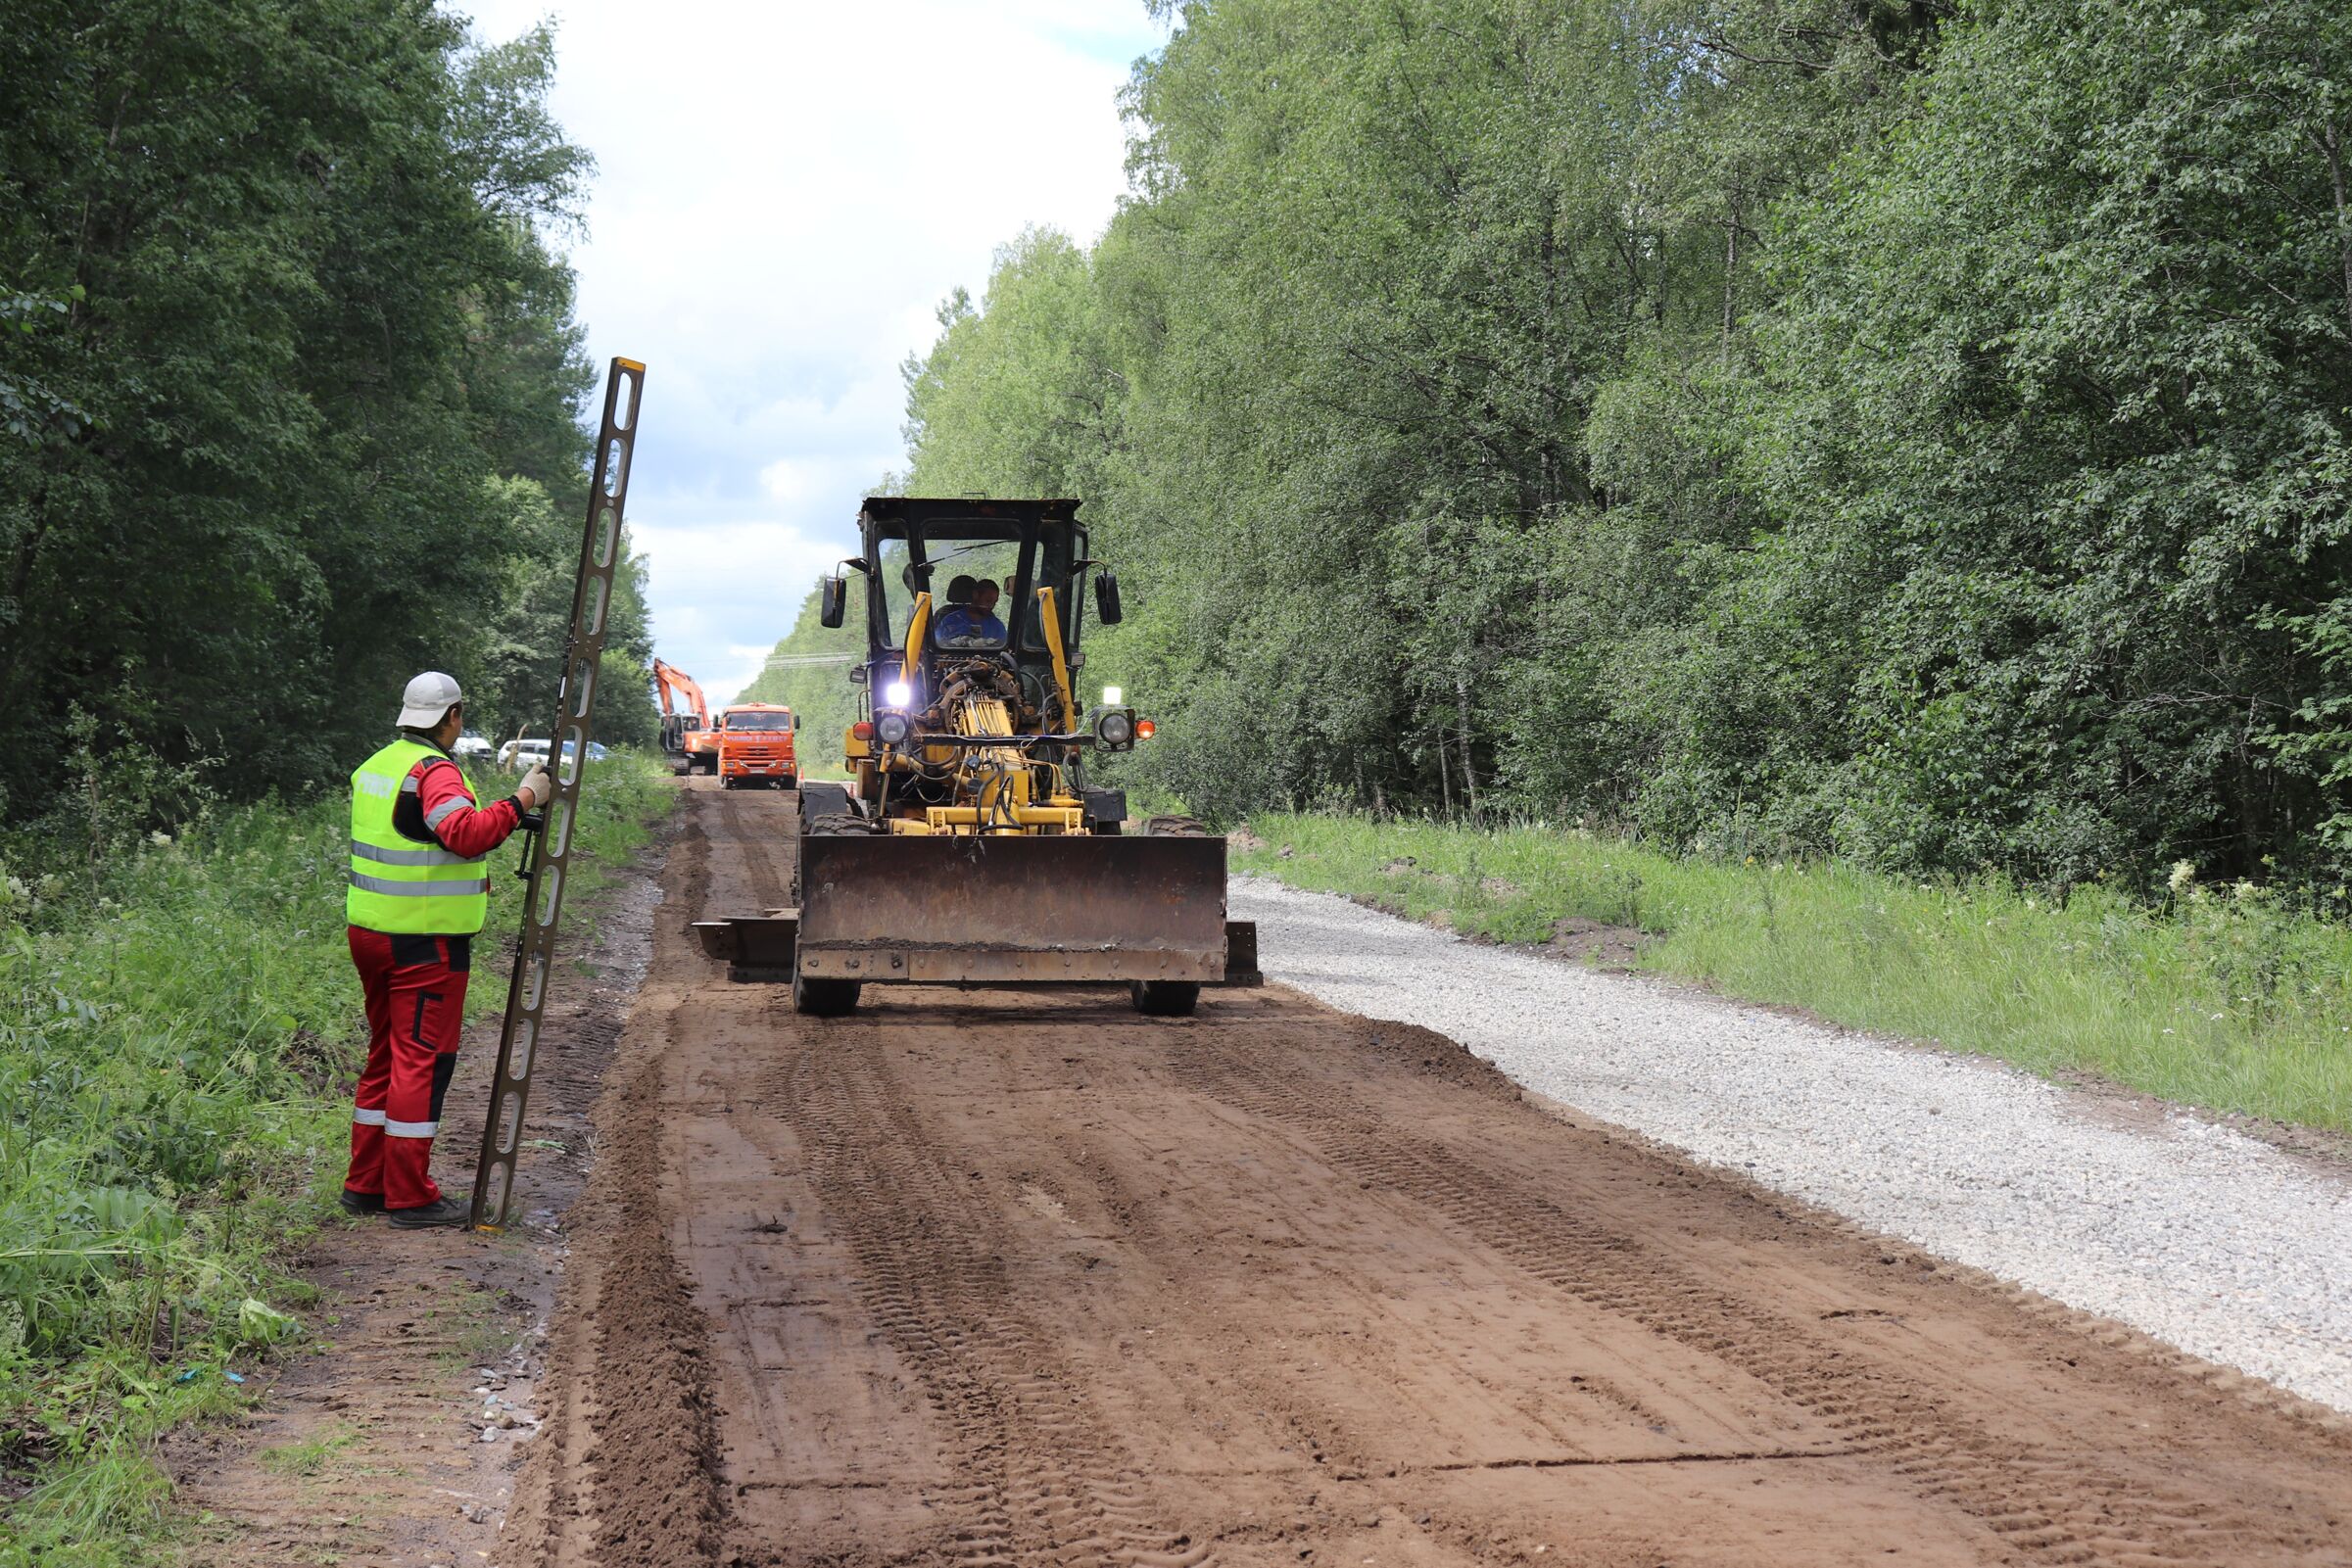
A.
x: 686, y: 736
x: 673, y: 679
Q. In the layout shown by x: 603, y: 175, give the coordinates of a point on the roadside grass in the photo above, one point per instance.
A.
x: 479, y: 1335
x: 2220, y: 997
x: 179, y: 1030
x: 310, y: 1456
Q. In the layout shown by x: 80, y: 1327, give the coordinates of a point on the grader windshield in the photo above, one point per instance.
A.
x: 982, y: 573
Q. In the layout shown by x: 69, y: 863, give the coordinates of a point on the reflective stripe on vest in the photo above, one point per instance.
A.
x: 437, y: 889
x: 406, y: 857
x: 398, y: 884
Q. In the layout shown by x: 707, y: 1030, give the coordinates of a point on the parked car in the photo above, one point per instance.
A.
x: 521, y: 756
x: 471, y: 747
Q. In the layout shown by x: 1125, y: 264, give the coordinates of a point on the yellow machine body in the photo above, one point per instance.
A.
x: 971, y: 850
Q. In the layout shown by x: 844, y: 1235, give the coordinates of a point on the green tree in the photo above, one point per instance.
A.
x: 1913, y: 430
x: 311, y: 317
x: 2050, y: 424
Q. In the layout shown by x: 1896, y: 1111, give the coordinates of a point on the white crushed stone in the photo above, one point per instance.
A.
x: 2211, y: 1241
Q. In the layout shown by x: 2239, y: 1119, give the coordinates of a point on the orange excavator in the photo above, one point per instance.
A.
x: 686, y: 737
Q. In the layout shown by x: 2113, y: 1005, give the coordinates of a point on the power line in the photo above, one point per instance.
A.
x: 788, y: 661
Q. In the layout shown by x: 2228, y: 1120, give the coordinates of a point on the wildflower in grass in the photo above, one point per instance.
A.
x: 158, y: 838
x: 2184, y: 876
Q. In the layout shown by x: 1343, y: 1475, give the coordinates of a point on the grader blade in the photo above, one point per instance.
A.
x: 1013, y: 910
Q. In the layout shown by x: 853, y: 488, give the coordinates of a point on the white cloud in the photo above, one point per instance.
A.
x: 789, y: 480
x: 718, y: 589
x: 747, y: 662
x: 785, y: 191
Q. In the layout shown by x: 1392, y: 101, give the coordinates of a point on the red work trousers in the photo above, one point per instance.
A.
x: 415, y: 989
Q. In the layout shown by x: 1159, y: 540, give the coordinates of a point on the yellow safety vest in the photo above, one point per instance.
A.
x: 398, y: 884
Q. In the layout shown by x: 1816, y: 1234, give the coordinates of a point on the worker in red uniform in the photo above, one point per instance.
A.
x: 419, y: 890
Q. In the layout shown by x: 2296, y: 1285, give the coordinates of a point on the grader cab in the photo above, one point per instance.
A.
x: 971, y: 847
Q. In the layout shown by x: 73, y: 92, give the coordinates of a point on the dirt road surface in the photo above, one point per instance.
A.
x: 1025, y: 1278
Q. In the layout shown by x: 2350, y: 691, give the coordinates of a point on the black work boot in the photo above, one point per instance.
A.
x: 362, y: 1203
x: 440, y: 1211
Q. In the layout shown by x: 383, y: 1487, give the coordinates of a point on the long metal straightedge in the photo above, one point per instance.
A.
x: 549, y: 849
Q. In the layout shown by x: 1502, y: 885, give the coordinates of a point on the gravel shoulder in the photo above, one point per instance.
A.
x: 2208, y: 1240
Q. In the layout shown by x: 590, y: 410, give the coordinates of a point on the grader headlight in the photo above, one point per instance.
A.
x: 1115, y: 728
x: 892, y: 729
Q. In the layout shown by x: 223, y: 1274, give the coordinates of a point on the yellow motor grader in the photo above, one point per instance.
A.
x: 971, y: 849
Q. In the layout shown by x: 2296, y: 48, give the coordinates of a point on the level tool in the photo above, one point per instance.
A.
x: 547, y: 842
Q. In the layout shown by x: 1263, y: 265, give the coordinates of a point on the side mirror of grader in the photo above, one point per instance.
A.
x: 1106, y: 598
x: 833, y: 602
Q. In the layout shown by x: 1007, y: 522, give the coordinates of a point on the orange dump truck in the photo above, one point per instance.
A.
x: 755, y: 746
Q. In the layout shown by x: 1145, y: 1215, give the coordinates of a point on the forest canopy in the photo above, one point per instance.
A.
x: 1912, y: 430
x: 289, y: 382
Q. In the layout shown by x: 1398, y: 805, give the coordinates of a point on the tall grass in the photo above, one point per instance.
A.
x: 2221, y: 997
x: 178, y: 1027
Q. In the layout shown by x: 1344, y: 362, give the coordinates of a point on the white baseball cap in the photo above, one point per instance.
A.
x: 429, y: 696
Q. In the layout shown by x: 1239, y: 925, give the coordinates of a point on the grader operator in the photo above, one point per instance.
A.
x: 972, y: 848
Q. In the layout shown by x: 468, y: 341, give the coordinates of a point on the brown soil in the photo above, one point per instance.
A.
x: 1596, y: 943
x: 1015, y: 1278
x: 368, y: 1446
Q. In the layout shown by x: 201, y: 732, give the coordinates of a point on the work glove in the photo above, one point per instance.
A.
x: 535, y: 789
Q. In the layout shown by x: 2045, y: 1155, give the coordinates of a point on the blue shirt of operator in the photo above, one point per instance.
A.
x: 963, y: 622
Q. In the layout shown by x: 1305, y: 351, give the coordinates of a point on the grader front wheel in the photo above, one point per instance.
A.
x: 1168, y: 999
x: 1165, y: 999
x: 824, y: 999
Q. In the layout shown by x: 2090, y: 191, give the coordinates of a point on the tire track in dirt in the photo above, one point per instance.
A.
x: 1047, y: 1481
x: 2044, y: 1506
x: 624, y: 1471
x: 753, y: 845
x: 655, y: 1420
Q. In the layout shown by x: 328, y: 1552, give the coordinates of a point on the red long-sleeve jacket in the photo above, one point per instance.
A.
x: 446, y: 811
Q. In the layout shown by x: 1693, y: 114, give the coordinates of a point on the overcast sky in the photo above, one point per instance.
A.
x: 785, y: 191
